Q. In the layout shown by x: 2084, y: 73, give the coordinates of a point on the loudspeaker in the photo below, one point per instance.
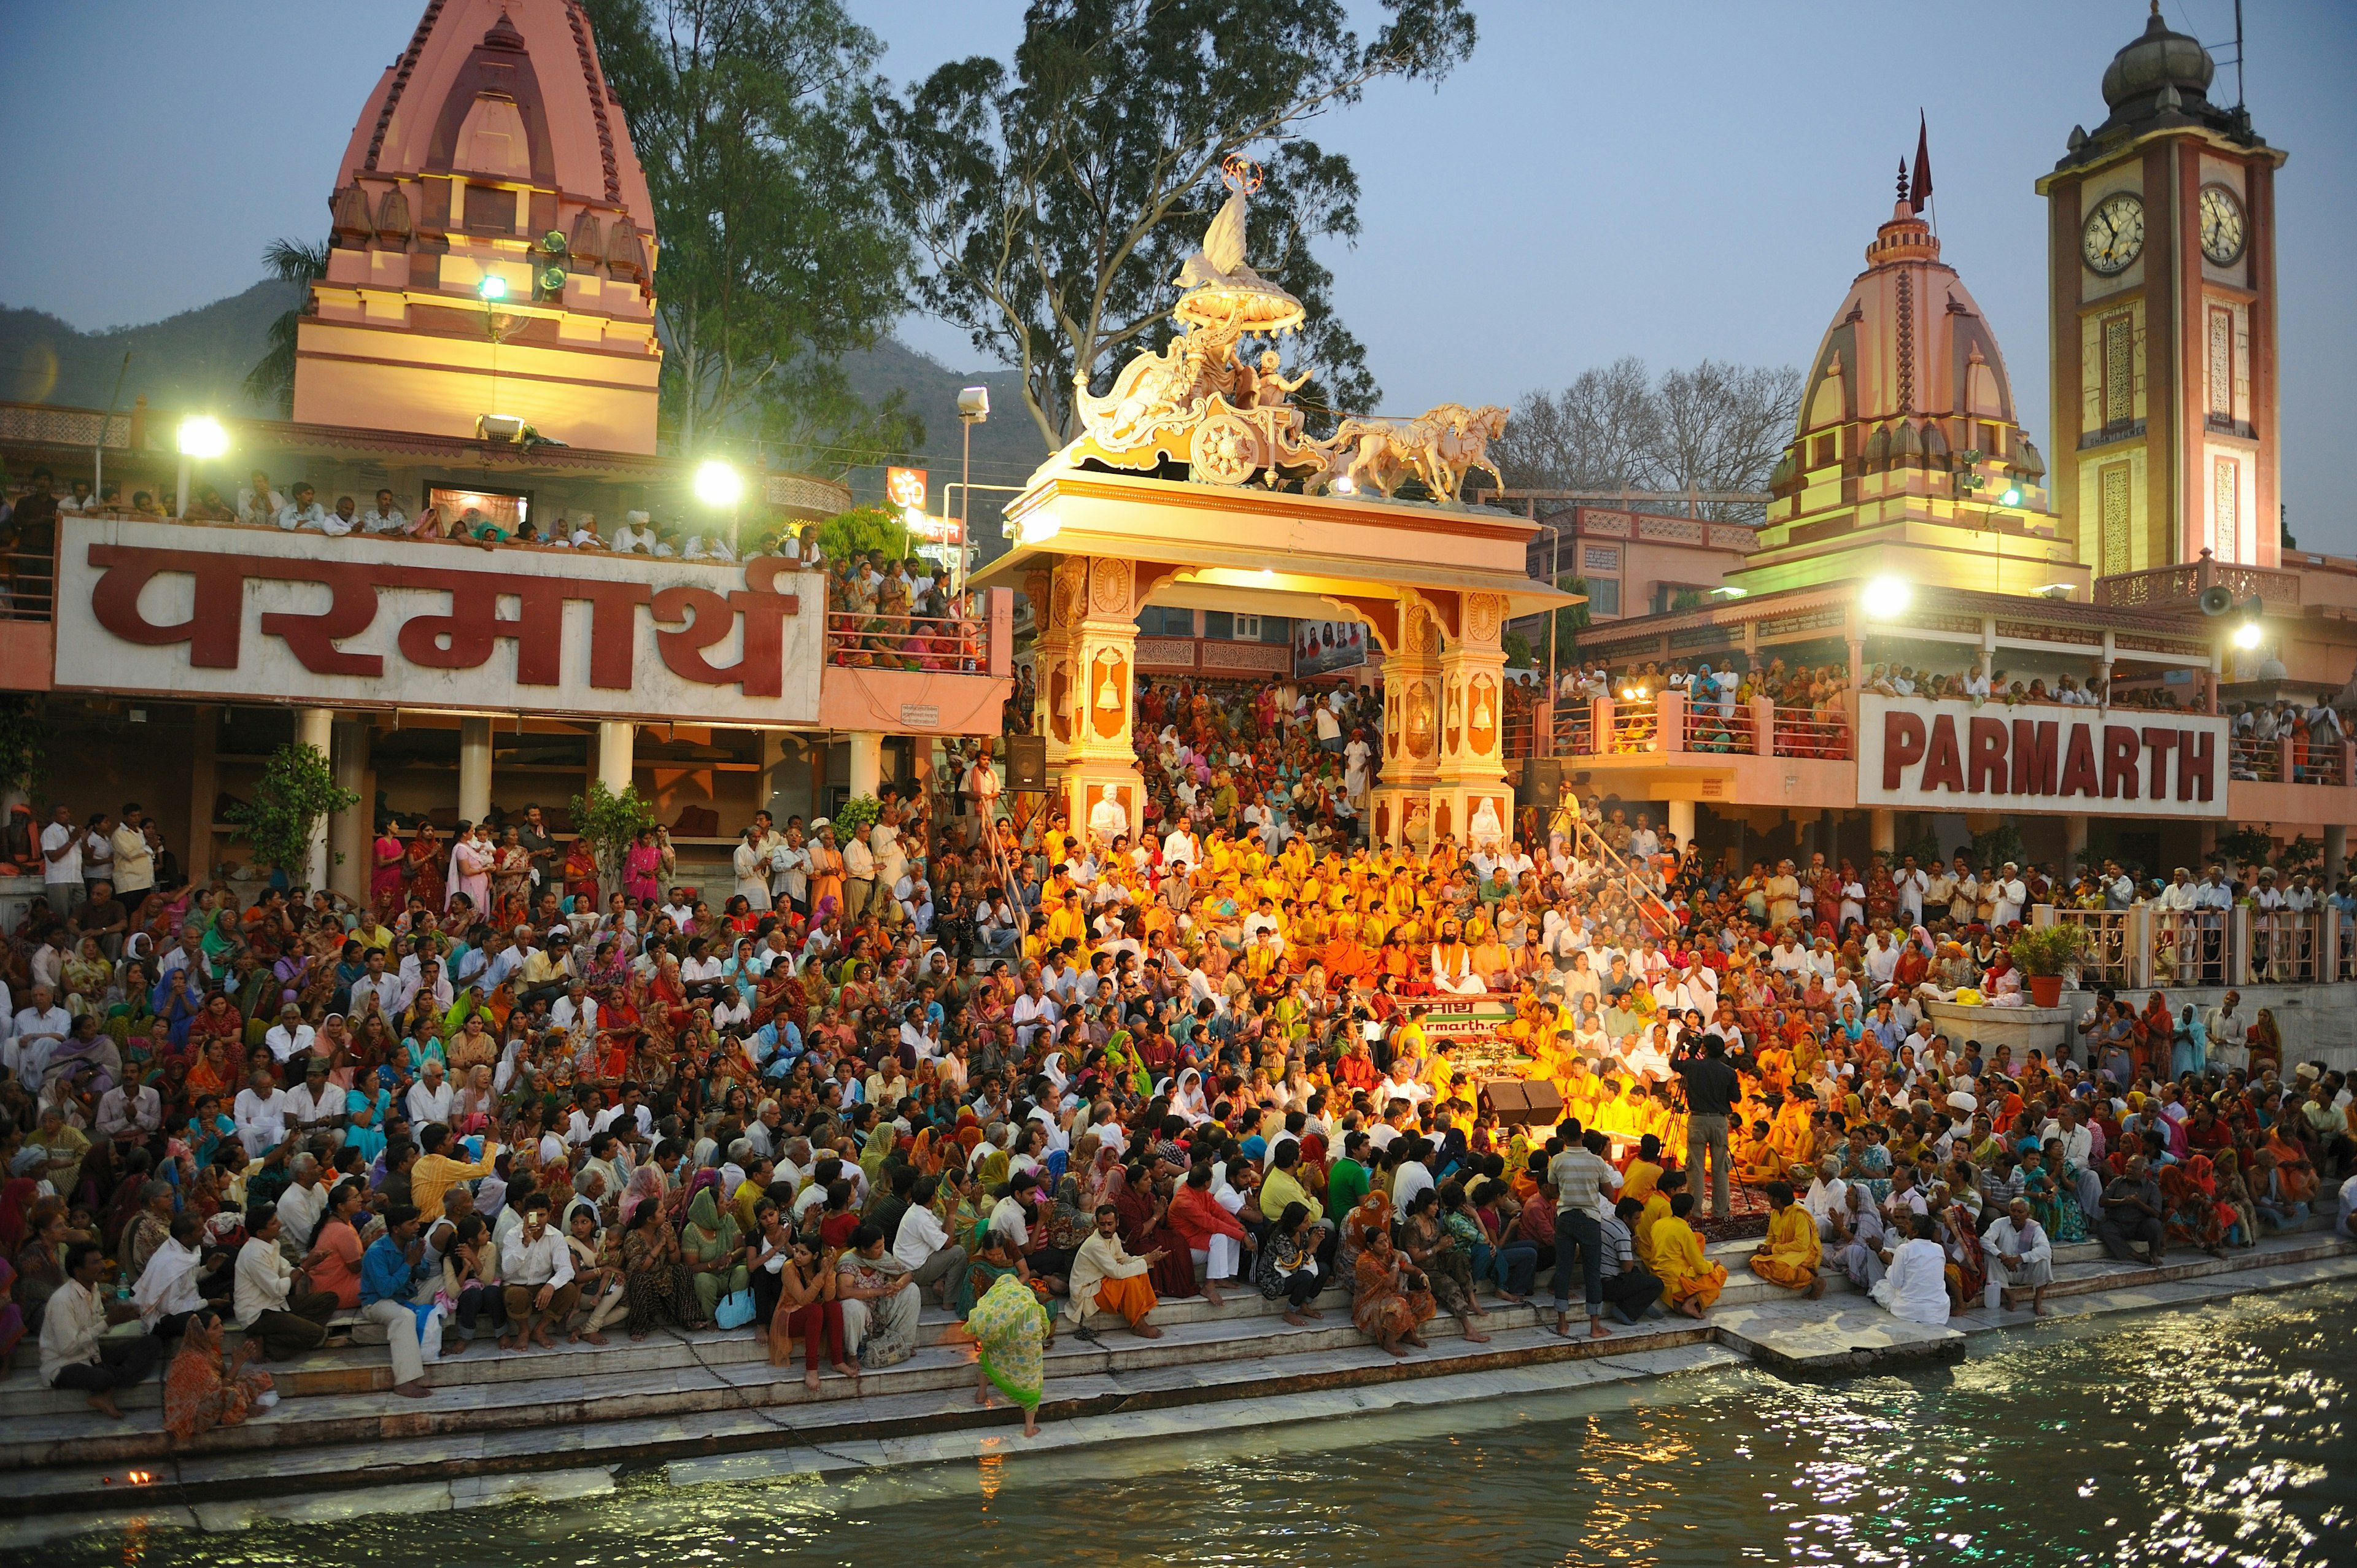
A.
x: 1535, y: 1104
x: 1542, y: 782
x: 2217, y: 599
x: 1027, y: 762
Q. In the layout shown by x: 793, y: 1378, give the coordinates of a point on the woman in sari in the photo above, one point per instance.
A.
x: 510, y: 882
x: 203, y: 1389
x: 640, y: 865
x: 423, y: 863
x: 1012, y: 1331
x: 1143, y: 1212
x: 2154, y: 1027
x: 711, y: 1246
x: 385, y: 868
x: 581, y: 873
x: 1432, y: 1247
x: 1967, y: 1266
x: 881, y: 1302
x: 806, y: 1306
x: 655, y: 1278
x: 1392, y: 1300
x: 2266, y: 1042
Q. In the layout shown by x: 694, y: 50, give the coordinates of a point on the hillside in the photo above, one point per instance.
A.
x: 195, y: 359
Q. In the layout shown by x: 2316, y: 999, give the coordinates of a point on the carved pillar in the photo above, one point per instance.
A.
x: 1056, y: 598
x: 1102, y: 788
x: 1401, y: 800
x: 1472, y: 802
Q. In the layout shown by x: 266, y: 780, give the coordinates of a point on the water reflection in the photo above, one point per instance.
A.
x: 2211, y: 1437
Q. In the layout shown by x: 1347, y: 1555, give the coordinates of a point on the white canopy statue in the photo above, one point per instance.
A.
x: 1199, y: 403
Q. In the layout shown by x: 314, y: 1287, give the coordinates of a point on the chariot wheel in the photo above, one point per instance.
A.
x: 1226, y: 450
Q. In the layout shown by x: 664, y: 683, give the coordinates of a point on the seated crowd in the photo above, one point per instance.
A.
x: 1114, y: 1065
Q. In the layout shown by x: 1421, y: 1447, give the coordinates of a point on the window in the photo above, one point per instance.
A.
x: 2114, y: 483
x: 2221, y: 366
x: 1603, y: 596
x: 2119, y: 370
x: 1219, y: 624
x: 1166, y: 621
x: 1277, y: 628
x: 2227, y: 508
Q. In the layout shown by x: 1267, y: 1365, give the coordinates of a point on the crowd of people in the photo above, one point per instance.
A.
x: 1095, y: 1067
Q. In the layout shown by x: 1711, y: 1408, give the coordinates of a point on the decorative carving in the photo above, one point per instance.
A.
x: 1109, y: 579
x: 1109, y: 698
x: 1060, y: 702
x: 1065, y: 601
x: 1453, y: 714
x: 1420, y: 709
x: 1484, y: 614
x: 1481, y: 723
x: 1437, y: 449
x: 393, y: 218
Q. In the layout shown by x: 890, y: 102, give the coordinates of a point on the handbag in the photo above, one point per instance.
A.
x: 734, y: 1310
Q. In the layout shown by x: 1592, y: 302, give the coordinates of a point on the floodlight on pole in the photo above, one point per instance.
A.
x: 492, y: 289
x: 2246, y: 636
x: 718, y: 484
x: 201, y: 436
x: 973, y: 408
x: 1887, y: 597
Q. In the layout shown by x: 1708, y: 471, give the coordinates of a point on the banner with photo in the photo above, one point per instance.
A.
x: 1323, y: 647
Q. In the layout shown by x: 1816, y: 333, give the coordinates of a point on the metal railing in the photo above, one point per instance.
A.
x: 2188, y: 947
x: 28, y: 585
x: 1587, y: 844
x: 2318, y: 762
x: 2255, y: 760
x: 1801, y: 733
x: 953, y: 644
x: 2107, y: 932
x: 1575, y: 728
x: 1635, y: 728
x: 1708, y: 728
x: 2284, y: 946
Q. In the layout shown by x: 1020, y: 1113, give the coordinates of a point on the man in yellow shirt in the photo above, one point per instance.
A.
x: 436, y: 1173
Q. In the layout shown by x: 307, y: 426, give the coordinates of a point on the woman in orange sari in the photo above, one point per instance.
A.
x: 202, y: 1390
x: 216, y: 1069
x: 2154, y: 1027
x: 424, y: 861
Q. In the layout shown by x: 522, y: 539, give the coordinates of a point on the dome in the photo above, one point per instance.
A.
x: 2159, y: 58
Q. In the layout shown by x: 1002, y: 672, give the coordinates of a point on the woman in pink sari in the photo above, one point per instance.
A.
x: 470, y: 869
x: 639, y: 867
x: 385, y: 858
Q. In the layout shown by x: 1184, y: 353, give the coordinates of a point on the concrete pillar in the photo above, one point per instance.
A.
x: 474, y: 769
x: 204, y: 784
x: 351, y: 829
x: 2336, y: 850
x: 1884, y: 824
x: 616, y: 739
x: 1681, y: 823
x: 2074, y: 844
x: 866, y: 761
x: 315, y: 728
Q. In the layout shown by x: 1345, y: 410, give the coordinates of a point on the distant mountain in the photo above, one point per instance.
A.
x: 196, y: 359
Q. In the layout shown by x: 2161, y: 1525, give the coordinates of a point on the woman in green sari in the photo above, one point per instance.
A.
x: 713, y: 1250
x: 1010, y: 1329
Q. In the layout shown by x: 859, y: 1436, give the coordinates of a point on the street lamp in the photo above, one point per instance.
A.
x: 2246, y: 636
x: 973, y: 408
x: 492, y: 289
x: 201, y: 436
x: 1887, y: 597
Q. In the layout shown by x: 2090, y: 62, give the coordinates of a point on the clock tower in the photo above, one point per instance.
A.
x: 2161, y: 288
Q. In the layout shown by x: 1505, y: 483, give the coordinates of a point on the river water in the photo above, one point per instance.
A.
x: 2210, y: 1437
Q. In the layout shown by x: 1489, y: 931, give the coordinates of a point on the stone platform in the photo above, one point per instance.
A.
x: 696, y: 1407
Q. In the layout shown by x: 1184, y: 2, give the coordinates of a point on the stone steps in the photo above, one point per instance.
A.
x: 676, y: 1397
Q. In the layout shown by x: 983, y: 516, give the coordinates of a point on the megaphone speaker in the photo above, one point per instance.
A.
x: 2217, y: 599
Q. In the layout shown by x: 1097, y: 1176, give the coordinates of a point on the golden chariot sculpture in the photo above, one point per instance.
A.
x: 1200, y: 402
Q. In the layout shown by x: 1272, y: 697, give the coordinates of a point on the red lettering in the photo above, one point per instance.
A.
x: 1987, y: 762
x: 351, y: 609
x: 2119, y: 763
x: 2159, y: 743
x: 1943, y: 767
x: 215, y: 621
x: 2034, y: 759
x: 1902, y: 745
x: 462, y: 640
x: 2197, y: 764
x: 2078, y: 775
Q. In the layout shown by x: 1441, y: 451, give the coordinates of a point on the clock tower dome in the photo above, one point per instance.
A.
x: 2161, y: 288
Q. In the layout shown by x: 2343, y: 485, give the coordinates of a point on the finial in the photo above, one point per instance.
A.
x: 1238, y: 172
x: 1902, y: 179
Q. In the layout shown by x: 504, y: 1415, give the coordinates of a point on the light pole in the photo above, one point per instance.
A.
x: 973, y: 408
x: 201, y: 436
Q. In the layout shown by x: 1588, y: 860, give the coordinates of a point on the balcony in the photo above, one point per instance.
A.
x: 915, y: 674
x: 1217, y: 657
x: 2179, y: 587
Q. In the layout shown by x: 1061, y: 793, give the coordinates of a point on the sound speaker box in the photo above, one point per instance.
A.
x: 1027, y: 762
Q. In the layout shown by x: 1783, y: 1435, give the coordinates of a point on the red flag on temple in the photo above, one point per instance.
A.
x: 1920, y: 190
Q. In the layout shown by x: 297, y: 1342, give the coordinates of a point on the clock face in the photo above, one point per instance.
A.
x: 2222, y: 227
x: 2114, y: 236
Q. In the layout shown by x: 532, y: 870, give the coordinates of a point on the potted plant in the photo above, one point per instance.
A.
x: 298, y: 788
x: 2044, y: 953
x: 610, y: 822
